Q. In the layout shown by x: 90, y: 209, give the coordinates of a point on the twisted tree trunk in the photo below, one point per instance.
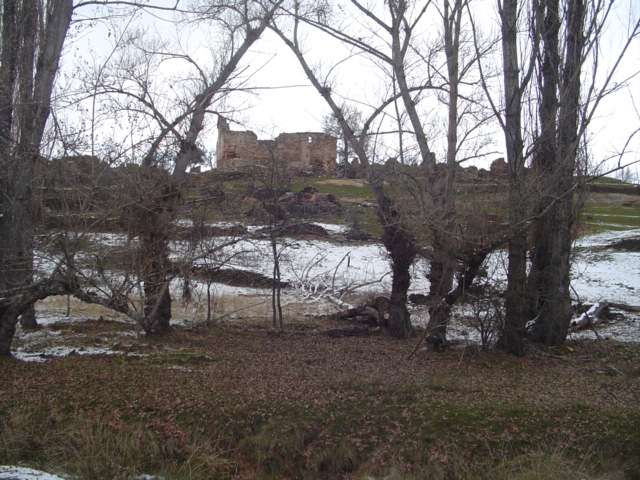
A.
x: 401, y: 248
x: 157, y: 297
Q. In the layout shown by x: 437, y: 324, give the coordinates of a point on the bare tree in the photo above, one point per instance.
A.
x: 27, y: 87
x: 558, y: 39
x: 514, y: 86
x: 244, y: 22
x: 396, y: 24
x: 32, y: 39
x: 331, y: 125
x: 397, y: 239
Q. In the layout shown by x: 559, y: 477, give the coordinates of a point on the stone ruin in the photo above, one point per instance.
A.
x: 309, y: 152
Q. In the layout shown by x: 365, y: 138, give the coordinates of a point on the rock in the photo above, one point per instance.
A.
x: 627, y: 244
x: 374, y: 313
x: 357, y: 235
x: 305, y: 229
x: 298, y: 229
x: 309, y: 202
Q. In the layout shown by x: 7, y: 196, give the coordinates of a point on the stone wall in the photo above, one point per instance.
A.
x: 305, y: 151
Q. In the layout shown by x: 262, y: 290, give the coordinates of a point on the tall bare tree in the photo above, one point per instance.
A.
x: 396, y: 23
x: 512, y: 335
x: 33, y: 35
x: 562, y: 37
x: 174, y: 144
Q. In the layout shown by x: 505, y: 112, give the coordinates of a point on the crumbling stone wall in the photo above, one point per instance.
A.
x: 305, y: 151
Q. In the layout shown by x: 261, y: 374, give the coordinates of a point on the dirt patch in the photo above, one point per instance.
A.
x: 347, y: 182
x: 627, y: 244
x: 614, y: 199
x: 235, y: 277
x: 297, y: 230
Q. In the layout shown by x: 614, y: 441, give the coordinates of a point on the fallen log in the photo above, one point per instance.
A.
x: 594, y: 315
x: 374, y: 313
x: 625, y: 307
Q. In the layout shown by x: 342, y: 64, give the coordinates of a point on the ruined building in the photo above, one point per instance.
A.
x: 302, y: 152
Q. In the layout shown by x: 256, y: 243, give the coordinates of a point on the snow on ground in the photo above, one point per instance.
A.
x: 612, y: 225
x: 59, y: 352
x: 613, y: 276
x: 601, y: 274
x: 22, y: 473
x: 627, y: 330
x: 50, y: 340
x: 333, y: 227
x: 605, y: 238
x: 317, y: 267
x: 312, y: 263
x: 314, y: 266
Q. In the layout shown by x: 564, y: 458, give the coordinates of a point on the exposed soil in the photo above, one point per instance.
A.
x: 236, y: 277
x: 627, y: 244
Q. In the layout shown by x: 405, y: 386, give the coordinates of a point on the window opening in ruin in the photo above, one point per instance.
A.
x: 309, y: 139
x: 231, y: 153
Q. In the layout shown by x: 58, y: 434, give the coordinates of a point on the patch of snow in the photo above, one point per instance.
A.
x: 36, y: 335
x: 332, y: 227
x: 626, y: 330
x: 51, y: 318
x: 22, y: 473
x: 614, y: 225
x: 605, y: 238
x: 108, y: 239
x: 60, y: 352
x: 614, y: 215
x: 224, y: 224
x: 186, y: 222
x: 612, y: 277
x: 183, y: 222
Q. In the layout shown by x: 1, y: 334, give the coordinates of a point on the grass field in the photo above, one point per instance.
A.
x: 230, y: 402
x: 605, y: 212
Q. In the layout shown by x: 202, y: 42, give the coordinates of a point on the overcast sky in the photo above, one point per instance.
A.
x: 284, y: 100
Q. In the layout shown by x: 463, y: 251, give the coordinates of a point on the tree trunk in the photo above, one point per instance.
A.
x: 28, y: 318
x: 554, y: 315
x: 8, y: 322
x: 22, y: 128
x: 157, y: 297
x: 401, y: 248
x: 441, y: 272
x: 512, y: 336
x: 545, y: 157
x: 513, y: 333
x: 442, y: 267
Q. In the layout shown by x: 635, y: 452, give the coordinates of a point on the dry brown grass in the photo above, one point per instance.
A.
x: 343, y: 182
x: 246, y: 402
